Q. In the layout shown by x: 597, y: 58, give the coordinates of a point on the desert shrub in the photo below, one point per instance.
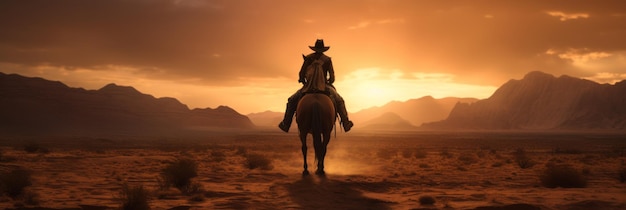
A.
x: 420, y: 154
x: 562, y: 176
x: 386, y: 153
x: 135, y: 198
x: 179, y: 173
x: 445, y: 153
x: 481, y: 154
x: 522, y: 159
x: 493, y: 151
x: 12, y: 183
x: 34, y: 148
x: 426, y: 200
x: 197, y: 198
x: 192, y: 189
x: 218, y: 156
x: 616, y: 152
x: 241, y: 151
x: 497, y: 164
x: 467, y: 159
x: 254, y: 161
x: 407, y: 153
x: 569, y: 151
x: 589, y: 159
x: 6, y: 158
x: 30, y: 197
x: 622, y: 174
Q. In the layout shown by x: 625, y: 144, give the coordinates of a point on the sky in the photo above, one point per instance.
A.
x: 246, y: 54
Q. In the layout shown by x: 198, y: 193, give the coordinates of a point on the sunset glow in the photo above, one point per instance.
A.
x: 247, y: 54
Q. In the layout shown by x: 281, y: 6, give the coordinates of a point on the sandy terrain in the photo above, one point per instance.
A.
x: 364, y: 171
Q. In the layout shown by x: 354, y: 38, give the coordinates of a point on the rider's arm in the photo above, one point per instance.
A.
x: 331, y: 71
x: 302, y: 74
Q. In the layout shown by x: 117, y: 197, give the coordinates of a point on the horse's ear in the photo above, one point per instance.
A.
x: 303, y: 57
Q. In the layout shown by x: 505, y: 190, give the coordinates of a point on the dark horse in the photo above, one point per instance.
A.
x: 315, y: 115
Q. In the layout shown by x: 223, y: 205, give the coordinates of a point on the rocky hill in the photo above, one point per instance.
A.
x: 388, y: 121
x: 38, y: 106
x: 415, y: 111
x: 542, y: 101
x: 268, y: 119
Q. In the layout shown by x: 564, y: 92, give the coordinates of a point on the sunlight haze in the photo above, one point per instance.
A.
x: 247, y: 54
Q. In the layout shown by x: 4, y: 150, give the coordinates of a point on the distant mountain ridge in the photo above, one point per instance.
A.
x: 403, y: 115
x: 388, y: 121
x: 414, y: 111
x: 542, y: 101
x: 39, y: 106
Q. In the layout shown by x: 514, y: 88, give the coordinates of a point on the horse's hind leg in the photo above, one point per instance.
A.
x: 319, y: 151
x: 304, y: 150
x: 323, y: 149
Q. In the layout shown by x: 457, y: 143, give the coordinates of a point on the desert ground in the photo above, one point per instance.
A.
x: 263, y: 170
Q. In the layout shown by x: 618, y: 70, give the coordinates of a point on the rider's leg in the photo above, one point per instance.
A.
x: 292, y: 103
x: 341, y: 109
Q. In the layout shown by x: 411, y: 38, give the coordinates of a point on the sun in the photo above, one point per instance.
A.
x: 371, y: 87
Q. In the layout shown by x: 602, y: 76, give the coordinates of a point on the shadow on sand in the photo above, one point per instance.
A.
x: 325, y: 193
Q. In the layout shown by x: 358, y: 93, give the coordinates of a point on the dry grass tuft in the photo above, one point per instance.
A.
x: 135, y: 198
x: 254, y: 161
x: 562, y: 175
x: 34, y: 148
x: 386, y: 153
x: 14, y: 182
x: 426, y: 200
x: 420, y: 154
x: 179, y: 174
x: 218, y: 156
x: 522, y: 159
x: 468, y: 159
x: 445, y: 153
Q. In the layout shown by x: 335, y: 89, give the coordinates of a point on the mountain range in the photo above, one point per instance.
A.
x: 542, y: 101
x: 39, y: 107
x: 414, y: 112
x: 538, y: 101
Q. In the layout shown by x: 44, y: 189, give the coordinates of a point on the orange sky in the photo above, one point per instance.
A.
x: 246, y: 54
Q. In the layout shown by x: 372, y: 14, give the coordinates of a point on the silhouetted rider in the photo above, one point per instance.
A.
x: 329, y: 74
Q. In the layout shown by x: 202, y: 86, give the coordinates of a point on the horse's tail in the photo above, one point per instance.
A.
x: 316, y: 119
x: 316, y: 129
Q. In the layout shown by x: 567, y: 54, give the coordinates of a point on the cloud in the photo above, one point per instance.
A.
x: 580, y: 56
x: 365, y: 24
x: 391, y: 21
x: 564, y: 16
x: 599, y: 66
x: 361, y: 24
x: 607, y: 77
x: 221, y: 42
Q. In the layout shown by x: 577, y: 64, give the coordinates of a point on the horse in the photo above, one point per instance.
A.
x: 315, y: 115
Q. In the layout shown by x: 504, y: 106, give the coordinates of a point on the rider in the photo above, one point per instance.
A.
x: 327, y: 66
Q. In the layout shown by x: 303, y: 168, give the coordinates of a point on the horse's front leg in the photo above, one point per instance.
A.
x: 304, y: 150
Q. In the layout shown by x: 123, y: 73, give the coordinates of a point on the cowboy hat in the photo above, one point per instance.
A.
x: 319, y: 46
